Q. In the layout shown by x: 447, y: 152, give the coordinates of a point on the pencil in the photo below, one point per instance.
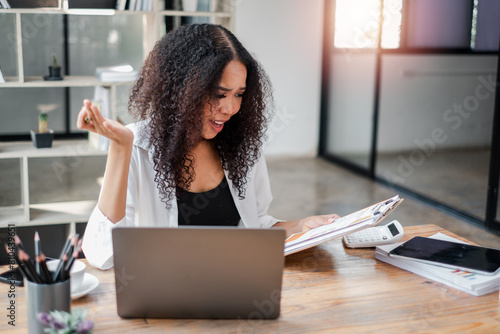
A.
x: 59, y: 274
x: 21, y: 270
x: 67, y: 250
x: 44, y: 271
x: 19, y: 243
x: 66, y: 245
x: 72, y: 246
x: 74, y: 255
x: 29, y: 267
x: 38, y: 251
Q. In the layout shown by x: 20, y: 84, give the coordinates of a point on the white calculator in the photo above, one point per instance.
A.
x: 374, y: 236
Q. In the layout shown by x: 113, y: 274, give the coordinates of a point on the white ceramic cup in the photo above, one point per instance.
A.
x: 76, y: 274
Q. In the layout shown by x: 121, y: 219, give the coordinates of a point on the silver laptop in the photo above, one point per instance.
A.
x: 198, y: 272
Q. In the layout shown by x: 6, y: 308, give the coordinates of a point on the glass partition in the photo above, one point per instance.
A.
x: 350, y: 107
x: 435, y: 127
x: 416, y: 109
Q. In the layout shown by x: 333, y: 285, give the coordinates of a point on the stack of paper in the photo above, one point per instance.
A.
x: 120, y: 73
x: 472, y: 283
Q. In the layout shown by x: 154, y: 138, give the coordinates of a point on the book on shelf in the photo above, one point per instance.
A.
x: 34, y: 3
x: 367, y: 217
x: 92, y: 4
x: 147, y: 5
x: 472, y: 283
x: 4, y: 4
x: 136, y: 5
x: 122, y: 4
x: 131, y: 4
x: 122, y: 73
x: 2, y: 79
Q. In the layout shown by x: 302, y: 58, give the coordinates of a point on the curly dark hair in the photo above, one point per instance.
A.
x: 179, y: 76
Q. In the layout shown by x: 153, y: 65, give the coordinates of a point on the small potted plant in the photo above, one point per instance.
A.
x: 60, y: 322
x: 54, y: 70
x: 43, y: 136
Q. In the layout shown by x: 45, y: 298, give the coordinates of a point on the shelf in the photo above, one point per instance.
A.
x: 51, y: 213
x: 60, y: 148
x: 68, y: 81
x: 11, y: 215
x: 48, y: 213
x: 90, y: 11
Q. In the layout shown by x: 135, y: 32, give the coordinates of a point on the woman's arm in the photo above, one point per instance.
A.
x: 112, y: 201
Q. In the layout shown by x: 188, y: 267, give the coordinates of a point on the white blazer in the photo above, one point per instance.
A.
x: 144, y: 207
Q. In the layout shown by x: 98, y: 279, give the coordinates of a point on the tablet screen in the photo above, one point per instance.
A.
x: 451, y: 254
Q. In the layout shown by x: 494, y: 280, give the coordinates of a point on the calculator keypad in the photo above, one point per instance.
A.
x: 367, y: 235
x: 374, y: 236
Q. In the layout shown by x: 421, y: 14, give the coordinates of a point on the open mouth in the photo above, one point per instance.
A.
x: 217, y: 125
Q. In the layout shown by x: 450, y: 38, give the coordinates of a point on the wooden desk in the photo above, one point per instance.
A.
x: 324, y: 288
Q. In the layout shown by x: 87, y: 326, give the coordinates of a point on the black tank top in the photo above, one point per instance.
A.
x: 209, y: 208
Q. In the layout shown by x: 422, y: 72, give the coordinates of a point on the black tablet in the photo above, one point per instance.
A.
x: 452, y: 255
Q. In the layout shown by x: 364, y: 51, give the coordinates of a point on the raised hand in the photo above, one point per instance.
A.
x: 90, y: 119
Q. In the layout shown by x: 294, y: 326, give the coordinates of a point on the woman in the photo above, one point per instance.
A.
x: 194, y: 158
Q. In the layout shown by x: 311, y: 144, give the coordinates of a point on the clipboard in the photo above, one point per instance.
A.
x: 367, y: 217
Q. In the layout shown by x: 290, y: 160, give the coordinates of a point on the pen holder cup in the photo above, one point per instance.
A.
x: 46, y: 298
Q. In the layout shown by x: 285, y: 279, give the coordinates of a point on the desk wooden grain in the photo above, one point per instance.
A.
x: 325, y: 288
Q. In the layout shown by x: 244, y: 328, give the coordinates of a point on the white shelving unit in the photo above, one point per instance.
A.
x: 46, y: 213
x: 28, y: 214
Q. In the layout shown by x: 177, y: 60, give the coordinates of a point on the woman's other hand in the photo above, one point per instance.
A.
x: 311, y: 222
x: 90, y: 119
x: 306, y: 224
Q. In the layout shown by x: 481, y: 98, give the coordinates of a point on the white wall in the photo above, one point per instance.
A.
x: 285, y: 36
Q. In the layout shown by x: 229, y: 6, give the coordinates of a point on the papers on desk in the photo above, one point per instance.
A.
x: 472, y: 283
x: 355, y: 221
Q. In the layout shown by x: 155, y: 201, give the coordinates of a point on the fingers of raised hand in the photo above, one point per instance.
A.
x: 90, y: 118
x: 80, y: 121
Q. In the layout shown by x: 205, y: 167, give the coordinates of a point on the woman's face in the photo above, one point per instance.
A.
x: 229, y: 96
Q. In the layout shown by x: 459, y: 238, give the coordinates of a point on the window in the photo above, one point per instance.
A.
x: 357, y: 24
x: 452, y: 24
